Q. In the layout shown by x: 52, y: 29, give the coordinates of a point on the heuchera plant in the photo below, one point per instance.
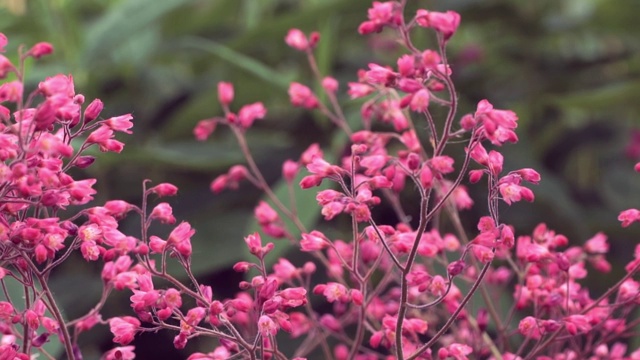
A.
x: 395, y: 290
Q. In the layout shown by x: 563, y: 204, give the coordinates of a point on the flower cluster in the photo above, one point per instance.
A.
x: 392, y: 287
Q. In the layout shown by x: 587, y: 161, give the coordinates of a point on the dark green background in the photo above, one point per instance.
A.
x: 570, y: 69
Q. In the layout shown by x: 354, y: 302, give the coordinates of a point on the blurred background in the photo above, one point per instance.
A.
x: 569, y: 68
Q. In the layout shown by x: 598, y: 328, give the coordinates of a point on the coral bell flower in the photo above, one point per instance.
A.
x: 445, y: 23
x: 123, y: 329
x: 249, y: 113
x: 297, y: 40
x: 225, y: 93
x: 302, y: 96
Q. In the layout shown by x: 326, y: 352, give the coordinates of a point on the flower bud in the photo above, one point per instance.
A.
x: 225, y: 93
x: 41, y: 49
x: 164, y: 189
x: 455, y: 268
x: 297, y: 40
x: 93, y: 110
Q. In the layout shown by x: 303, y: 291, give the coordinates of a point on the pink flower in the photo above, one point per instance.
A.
x: 529, y: 175
x: 3, y: 42
x: 597, y: 244
x: 5, y: 67
x: 330, y: 84
x: 420, y: 101
x: 310, y: 181
x: 577, y: 324
x: 225, y: 93
x: 380, y: 14
x: 11, y: 91
x: 254, y: 243
x: 103, y: 137
x: 333, y: 291
x: 529, y: 327
x: 120, y: 123
x: 6, y: 310
x: 313, y: 241
x: 180, y: 237
x: 120, y: 353
x: 321, y: 167
x: 265, y: 214
x: 297, y: 40
x: 81, y: 191
x: 302, y: 96
x: 266, y: 326
x: 204, y: 129
x: 498, y: 125
x: 93, y: 110
x: 57, y: 85
x: 164, y: 213
x: 380, y: 75
x: 164, y: 189
x: 444, y: 23
x: 442, y: 164
x: 40, y: 49
x: 290, y: 170
x: 123, y: 329
x: 358, y: 90
x: 512, y: 192
x: 249, y: 113
x: 629, y: 216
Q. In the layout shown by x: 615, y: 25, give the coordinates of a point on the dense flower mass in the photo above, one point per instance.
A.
x: 398, y: 286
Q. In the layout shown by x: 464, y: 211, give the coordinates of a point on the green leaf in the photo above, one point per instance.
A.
x: 244, y: 62
x: 123, y: 20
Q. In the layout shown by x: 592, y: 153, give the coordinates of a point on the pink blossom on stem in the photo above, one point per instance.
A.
x: 164, y: 189
x: 120, y: 123
x: 225, y: 93
x: 330, y: 84
x: 254, y: 243
x: 445, y: 23
x: 5, y: 67
x: 358, y: 90
x: 380, y: 14
x: 290, y: 170
x: 380, y: 75
x: 204, y: 128
x: 321, y: 167
x: 40, y: 49
x: 93, y: 110
x: 11, y: 91
x: 529, y: 327
x: 597, y: 244
x: 180, y: 237
x: 123, y: 329
x: 249, y: 113
x: 302, y: 96
x: 628, y: 217
x: 120, y: 353
x: 3, y: 42
x: 297, y: 39
x: 332, y: 291
x: 420, y: 101
x: 164, y: 213
x: 314, y: 241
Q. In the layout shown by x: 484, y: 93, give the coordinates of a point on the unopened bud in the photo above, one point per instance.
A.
x: 413, y: 161
x: 93, y: 110
x: 41, y: 49
x: 84, y: 162
x: 455, y: 268
x: 40, y: 340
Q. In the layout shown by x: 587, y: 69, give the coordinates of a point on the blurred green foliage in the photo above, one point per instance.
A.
x: 569, y: 68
